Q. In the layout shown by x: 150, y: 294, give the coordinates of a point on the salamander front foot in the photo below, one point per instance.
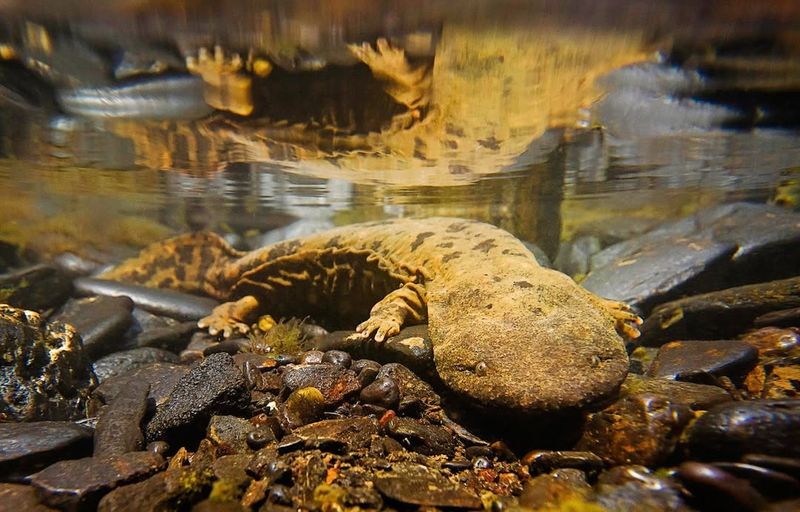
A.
x: 230, y: 317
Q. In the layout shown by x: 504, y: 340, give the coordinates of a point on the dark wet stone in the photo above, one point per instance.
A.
x: 230, y: 346
x: 119, y: 428
x: 159, y: 448
x: 198, y: 343
x: 338, y: 435
x: 718, y: 315
x: 312, y: 357
x: 163, y: 491
x: 772, y: 484
x: 79, y: 484
x: 119, y: 363
x: 421, y: 437
x: 382, y: 392
x: 366, y: 369
x: 303, y: 406
x: 44, y: 374
x: 101, y: 322
x: 773, y: 341
x: 728, y: 431
x: 721, y: 246
x: 718, y: 489
x: 574, y: 256
x: 411, y: 347
x: 457, y: 465
x: 21, y: 498
x: 25, y: 447
x: 788, y: 465
x: 334, y: 382
x: 339, y: 357
x: 479, y: 451
x: 284, y: 359
x: 551, y: 490
x: 171, y: 337
x: 656, y: 269
x: 169, y: 303
x: 230, y: 432
x: 260, y: 438
x: 638, y: 429
x: 543, y: 461
x: 232, y: 469
x: 782, y: 318
x: 38, y: 287
x: 416, y: 484
x: 416, y: 395
x: 215, y: 386
x: 694, y: 360
x: 265, y: 464
x: 162, y: 377
x: 696, y: 396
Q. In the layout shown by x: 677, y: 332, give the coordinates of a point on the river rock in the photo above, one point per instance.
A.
x: 552, y: 490
x: 38, y: 287
x: 728, y: 431
x: 411, y: 347
x: 719, y: 247
x: 421, y: 437
x: 416, y: 484
x: 693, y: 360
x: 119, y: 427
x: 335, y: 382
x: 21, y: 498
x: 337, y: 435
x: 696, y: 396
x: 44, y: 372
x: 162, y: 377
x: 716, y: 489
x: 638, y: 429
x: 127, y: 360
x: 163, y: 491
x: 416, y: 395
x: 79, y: 484
x: 719, y: 314
x: 230, y: 432
x: 25, y: 447
x: 101, y: 322
x: 214, y: 386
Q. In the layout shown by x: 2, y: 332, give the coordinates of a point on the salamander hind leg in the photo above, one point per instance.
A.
x: 404, y: 306
x: 230, y: 317
x: 626, y: 320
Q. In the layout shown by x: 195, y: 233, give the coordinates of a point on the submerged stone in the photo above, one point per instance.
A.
x: 25, y: 447
x: 79, y: 484
x: 214, y: 386
x: 119, y: 427
x: 416, y: 484
x: 38, y: 287
x: 638, y: 429
x: 127, y: 360
x: 101, y: 322
x: 21, y: 498
x: 721, y: 246
x: 731, y: 430
x: 692, y: 360
x: 334, y: 382
x: 44, y: 371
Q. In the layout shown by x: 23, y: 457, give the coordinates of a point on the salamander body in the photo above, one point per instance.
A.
x: 506, y: 332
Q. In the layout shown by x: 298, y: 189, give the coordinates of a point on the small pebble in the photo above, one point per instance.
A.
x: 284, y: 359
x: 382, y: 392
x: 279, y: 472
x: 338, y: 357
x: 258, y: 439
x: 159, y: 448
x: 719, y: 489
x: 312, y: 357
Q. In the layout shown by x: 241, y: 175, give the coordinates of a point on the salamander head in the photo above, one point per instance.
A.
x: 529, y: 363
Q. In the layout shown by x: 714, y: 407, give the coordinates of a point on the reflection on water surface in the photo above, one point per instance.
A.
x: 266, y: 120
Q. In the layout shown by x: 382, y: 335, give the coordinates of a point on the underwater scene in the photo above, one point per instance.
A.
x: 399, y: 255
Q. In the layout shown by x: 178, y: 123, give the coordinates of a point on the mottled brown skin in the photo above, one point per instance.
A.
x: 506, y: 332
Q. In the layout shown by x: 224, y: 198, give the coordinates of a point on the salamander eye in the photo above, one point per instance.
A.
x: 481, y: 369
